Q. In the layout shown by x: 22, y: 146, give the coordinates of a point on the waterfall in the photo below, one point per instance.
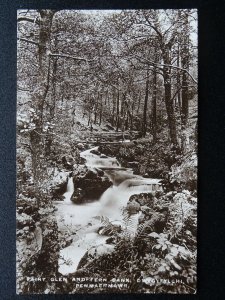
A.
x: 95, y: 161
x: 83, y: 221
x: 69, y: 191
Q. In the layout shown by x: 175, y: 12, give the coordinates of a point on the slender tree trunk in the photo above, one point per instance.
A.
x: 144, y: 121
x: 185, y: 65
x: 178, y: 79
x: 49, y: 138
x: 114, y: 107
x: 100, y: 111
x: 96, y: 108
x: 132, y: 115
x: 118, y: 112
x: 154, y: 107
x: 139, y: 103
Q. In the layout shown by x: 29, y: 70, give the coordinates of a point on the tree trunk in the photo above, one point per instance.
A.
x: 37, y: 137
x: 168, y: 98
x: 118, y: 112
x: 114, y: 108
x: 154, y: 112
x: 100, y: 111
x: 96, y: 108
x: 144, y: 121
x: 49, y: 138
x: 178, y: 80
x: 185, y: 65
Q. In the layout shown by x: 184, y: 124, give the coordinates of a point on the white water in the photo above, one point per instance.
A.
x: 82, y: 221
x: 70, y: 190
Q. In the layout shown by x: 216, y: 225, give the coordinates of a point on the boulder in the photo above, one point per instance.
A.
x: 90, y: 185
x: 110, y: 229
x: 133, y: 207
x: 78, y: 196
x: 96, y: 152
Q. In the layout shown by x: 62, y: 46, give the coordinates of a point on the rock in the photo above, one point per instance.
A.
x: 94, y: 253
x: 109, y: 230
x: 103, y: 156
x: 80, y: 146
x: 110, y: 240
x: 59, y: 190
x: 133, y: 207
x: 68, y: 162
x: 133, y: 164
x: 91, y: 184
x: 99, y: 172
x: 96, y: 152
x: 78, y: 196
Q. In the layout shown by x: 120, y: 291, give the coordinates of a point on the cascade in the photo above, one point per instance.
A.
x: 70, y: 189
x: 83, y: 221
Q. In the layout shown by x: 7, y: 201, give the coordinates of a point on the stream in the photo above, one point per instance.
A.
x: 83, y: 221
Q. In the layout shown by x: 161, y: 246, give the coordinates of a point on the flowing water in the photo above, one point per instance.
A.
x: 83, y: 221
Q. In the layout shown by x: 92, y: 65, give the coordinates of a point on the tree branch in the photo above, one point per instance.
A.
x: 153, y: 27
x: 165, y: 65
x: 69, y: 56
x: 28, y: 41
x: 27, y: 19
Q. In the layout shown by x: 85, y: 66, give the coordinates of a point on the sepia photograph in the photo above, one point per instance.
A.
x: 107, y: 151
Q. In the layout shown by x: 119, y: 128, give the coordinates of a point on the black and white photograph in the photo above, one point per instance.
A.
x: 106, y: 154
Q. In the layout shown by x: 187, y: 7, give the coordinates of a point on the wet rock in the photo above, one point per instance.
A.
x: 96, y: 152
x: 133, y: 164
x: 78, y: 196
x: 103, y: 156
x: 59, y: 190
x: 110, y: 240
x: 110, y: 229
x: 90, y: 185
x: 133, y: 207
